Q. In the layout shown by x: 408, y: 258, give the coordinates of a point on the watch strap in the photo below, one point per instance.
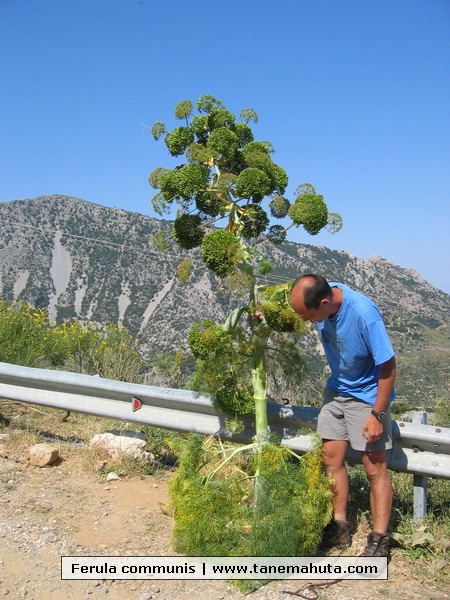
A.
x: 378, y: 415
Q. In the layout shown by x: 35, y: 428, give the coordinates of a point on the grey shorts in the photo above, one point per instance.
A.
x: 343, y: 418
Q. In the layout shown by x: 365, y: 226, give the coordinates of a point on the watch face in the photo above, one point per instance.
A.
x: 379, y: 415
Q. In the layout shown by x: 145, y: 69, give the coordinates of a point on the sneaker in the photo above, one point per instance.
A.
x: 336, y: 534
x: 377, y: 545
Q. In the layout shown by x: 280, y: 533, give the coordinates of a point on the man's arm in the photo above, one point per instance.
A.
x: 373, y: 429
x: 388, y: 371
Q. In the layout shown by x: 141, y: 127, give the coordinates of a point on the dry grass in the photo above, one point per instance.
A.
x: 27, y: 425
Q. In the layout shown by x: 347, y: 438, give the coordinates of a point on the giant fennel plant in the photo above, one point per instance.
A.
x: 230, y: 193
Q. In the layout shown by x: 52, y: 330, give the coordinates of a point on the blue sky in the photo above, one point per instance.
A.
x: 353, y: 94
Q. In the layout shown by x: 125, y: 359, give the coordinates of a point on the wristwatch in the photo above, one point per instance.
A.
x: 378, y: 415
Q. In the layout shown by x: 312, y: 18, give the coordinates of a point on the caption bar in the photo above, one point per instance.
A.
x: 209, y: 567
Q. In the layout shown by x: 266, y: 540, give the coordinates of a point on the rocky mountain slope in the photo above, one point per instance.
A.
x: 86, y: 262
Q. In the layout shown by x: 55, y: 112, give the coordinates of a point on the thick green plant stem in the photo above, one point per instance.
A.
x: 259, y: 380
x: 227, y: 460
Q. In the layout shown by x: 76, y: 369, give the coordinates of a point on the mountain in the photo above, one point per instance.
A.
x: 87, y: 262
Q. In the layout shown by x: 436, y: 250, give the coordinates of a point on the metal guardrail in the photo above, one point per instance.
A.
x: 422, y: 450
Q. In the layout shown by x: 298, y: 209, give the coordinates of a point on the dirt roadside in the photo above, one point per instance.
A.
x: 66, y: 510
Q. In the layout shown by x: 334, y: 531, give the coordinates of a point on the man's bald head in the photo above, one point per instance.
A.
x: 313, y: 288
x: 310, y: 294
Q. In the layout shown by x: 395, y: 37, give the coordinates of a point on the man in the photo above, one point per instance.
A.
x: 356, y: 402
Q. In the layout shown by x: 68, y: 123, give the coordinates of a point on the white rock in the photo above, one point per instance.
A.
x: 41, y: 455
x: 118, y: 445
x: 112, y: 476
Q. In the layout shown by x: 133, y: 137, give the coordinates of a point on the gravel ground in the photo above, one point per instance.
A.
x: 68, y: 510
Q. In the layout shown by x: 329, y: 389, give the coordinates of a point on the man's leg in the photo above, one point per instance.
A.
x: 337, y: 532
x: 332, y: 428
x: 380, y: 489
x: 333, y: 458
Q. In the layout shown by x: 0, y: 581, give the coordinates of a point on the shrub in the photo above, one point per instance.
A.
x: 211, y: 497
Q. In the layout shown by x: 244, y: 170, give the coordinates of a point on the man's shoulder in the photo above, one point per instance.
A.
x: 359, y: 303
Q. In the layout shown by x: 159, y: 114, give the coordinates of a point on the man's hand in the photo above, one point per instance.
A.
x: 372, y: 430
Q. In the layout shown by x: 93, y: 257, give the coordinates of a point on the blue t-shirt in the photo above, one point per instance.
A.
x: 356, y: 343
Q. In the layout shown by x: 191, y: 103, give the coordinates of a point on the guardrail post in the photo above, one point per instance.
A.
x: 420, y: 481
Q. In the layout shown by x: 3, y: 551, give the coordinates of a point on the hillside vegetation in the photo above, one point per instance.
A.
x: 87, y: 263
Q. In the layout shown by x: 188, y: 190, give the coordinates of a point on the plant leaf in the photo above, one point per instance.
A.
x: 421, y: 538
x: 233, y: 318
x: 402, y: 539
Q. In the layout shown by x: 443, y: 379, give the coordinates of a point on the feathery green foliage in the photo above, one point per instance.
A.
x: 223, y: 367
x: 253, y: 183
x: 309, y: 210
x: 155, y: 177
x: 208, y: 203
x: 191, y: 179
x: 286, y: 521
x: 183, y: 109
x: 224, y: 141
x: 178, y: 140
x: 204, y: 338
x: 226, y: 167
x: 255, y: 221
x: 334, y: 223
x: 187, y: 231
x: 158, y: 129
x: 279, y: 315
x: 184, y: 269
x: 277, y: 234
x: 159, y: 241
x: 279, y: 206
x: 219, y: 249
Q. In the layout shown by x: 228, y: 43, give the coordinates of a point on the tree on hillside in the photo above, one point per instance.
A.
x: 230, y: 194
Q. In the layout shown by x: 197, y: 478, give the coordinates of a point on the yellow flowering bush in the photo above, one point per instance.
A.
x: 28, y: 338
